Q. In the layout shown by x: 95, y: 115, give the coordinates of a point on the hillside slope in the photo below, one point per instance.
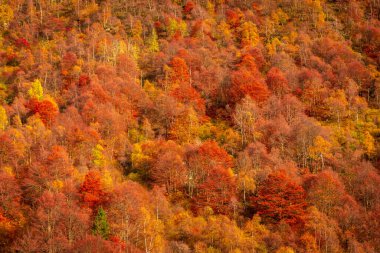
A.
x: 189, y: 126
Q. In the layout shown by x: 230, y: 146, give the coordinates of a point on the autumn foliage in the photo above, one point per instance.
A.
x: 217, y: 191
x: 45, y: 109
x: 247, y: 81
x: 189, y: 126
x: 281, y: 199
x: 91, y: 189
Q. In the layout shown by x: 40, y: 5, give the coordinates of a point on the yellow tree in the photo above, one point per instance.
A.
x: 325, y: 230
x: 176, y: 27
x: 369, y: 144
x: 136, y: 31
x: 186, y: 127
x: 152, y: 42
x: 309, y: 243
x: 223, y: 33
x: 249, y: 34
x: 3, y: 118
x: 245, y: 117
x: 256, y: 231
x: 3, y: 87
x: 285, y: 250
x: 36, y: 91
x: 318, y: 16
x: 106, y: 180
x: 320, y: 150
x: 88, y: 11
x: 6, y: 16
x: 246, y: 184
x: 273, y: 46
x: 152, y: 232
x: 279, y: 17
x: 98, y: 156
x: 138, y: 158
x: 337, y: 104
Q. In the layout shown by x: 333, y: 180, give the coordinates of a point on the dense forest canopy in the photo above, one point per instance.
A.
x: 190, y: 126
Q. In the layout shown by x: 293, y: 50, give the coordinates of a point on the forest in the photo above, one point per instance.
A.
x: 181, y: 126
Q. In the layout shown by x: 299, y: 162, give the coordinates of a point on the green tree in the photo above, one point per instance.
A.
x: 101, y: 226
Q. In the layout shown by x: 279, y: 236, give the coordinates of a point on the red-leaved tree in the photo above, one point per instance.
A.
x: 45, y: 108
x: 247, y: 81
x: 91, y: 189
x: 281, y: 199
x: 217, y: 191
